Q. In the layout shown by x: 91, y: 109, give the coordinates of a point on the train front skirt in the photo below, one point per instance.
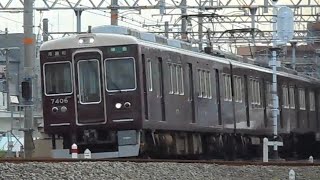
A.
x: 128, y: 146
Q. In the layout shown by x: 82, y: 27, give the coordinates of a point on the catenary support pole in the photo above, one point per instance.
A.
x: 293, y: 62
x: 7, y: 74
x: 184, y: 35
x: 45, y: 28
x: 29, y: 57
x: 166, y: 29
x: 114, y: 12
x: 253, y: 11
x: 78, y: 14
x: 200, y: 20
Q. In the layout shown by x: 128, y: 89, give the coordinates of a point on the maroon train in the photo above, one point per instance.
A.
x: 128, y: 95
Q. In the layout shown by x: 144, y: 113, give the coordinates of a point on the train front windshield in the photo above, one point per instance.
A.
x: 57, y: 78
x: 120, y: 74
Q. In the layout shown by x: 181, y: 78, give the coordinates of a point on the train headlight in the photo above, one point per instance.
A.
x: 81, y: 41
x: 118, y: 105
x: 54, y: 109
x: 86, y: 40
x: 64, y: 109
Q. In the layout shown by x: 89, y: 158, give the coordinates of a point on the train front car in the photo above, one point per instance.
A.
x: 91, y: 94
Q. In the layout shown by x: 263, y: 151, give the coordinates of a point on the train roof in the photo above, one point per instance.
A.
x: 99, y: 40
x: 230, y: 61
x: 117, y: 35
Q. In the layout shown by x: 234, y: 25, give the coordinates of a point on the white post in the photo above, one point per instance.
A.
x: 311, y: 159
x: 87, y: 154
x: 74, y: 151
x: 265, y: 150
x: 292, y: 175
x: 274, y: 65
x: 17, y: 154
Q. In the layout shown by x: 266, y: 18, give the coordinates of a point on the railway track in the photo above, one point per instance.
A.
x: 218, y: 162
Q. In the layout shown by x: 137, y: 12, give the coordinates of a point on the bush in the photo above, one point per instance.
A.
x: 3, y: 154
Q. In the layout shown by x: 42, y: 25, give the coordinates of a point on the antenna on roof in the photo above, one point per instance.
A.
x: 89, y: 29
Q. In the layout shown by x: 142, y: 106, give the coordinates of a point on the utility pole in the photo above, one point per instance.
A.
x: 29, y: 57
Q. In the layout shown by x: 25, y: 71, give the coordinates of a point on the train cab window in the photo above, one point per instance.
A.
x: 292, y: 97
x: 204, y: 86
x: 285, y: 97
x: 312, y: 101
x: 255, y: 90
x: 120, y: 74
x: 57, y: 78
x: 89, y: 81
x: 227, y: 87
x: 302, y: 99
x: 238, y: 88
x: 176, y: 79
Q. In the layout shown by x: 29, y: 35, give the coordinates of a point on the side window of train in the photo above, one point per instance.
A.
x: 285, y: 96
x: 255, y: 91
x: 238, y: 88
x: 149, y: 74
x: 176, y: 79
x: 269, y: 93
x: 292, y: 97
x: 312, y: 101
x: 204, y: 86
x: 302, y: 99
x: 227, y: 87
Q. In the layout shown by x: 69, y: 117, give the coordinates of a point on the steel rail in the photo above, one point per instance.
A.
x: 217, y: 162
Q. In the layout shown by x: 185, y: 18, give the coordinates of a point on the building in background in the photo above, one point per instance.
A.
x: 11, y: 119
x: 307, y: 55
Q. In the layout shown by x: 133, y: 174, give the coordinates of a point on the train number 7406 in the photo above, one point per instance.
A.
x: 59, y: 101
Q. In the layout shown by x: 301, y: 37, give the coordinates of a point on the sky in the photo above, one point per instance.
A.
x: 65, y: 20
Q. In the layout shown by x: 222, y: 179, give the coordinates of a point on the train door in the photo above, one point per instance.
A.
x: 191, y: 93
x: 89, y: 85
x: 218, y: 99
x: 246, y: 99
x: 161, y: 89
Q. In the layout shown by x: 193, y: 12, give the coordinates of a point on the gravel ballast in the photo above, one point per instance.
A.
x: 130, y: 170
